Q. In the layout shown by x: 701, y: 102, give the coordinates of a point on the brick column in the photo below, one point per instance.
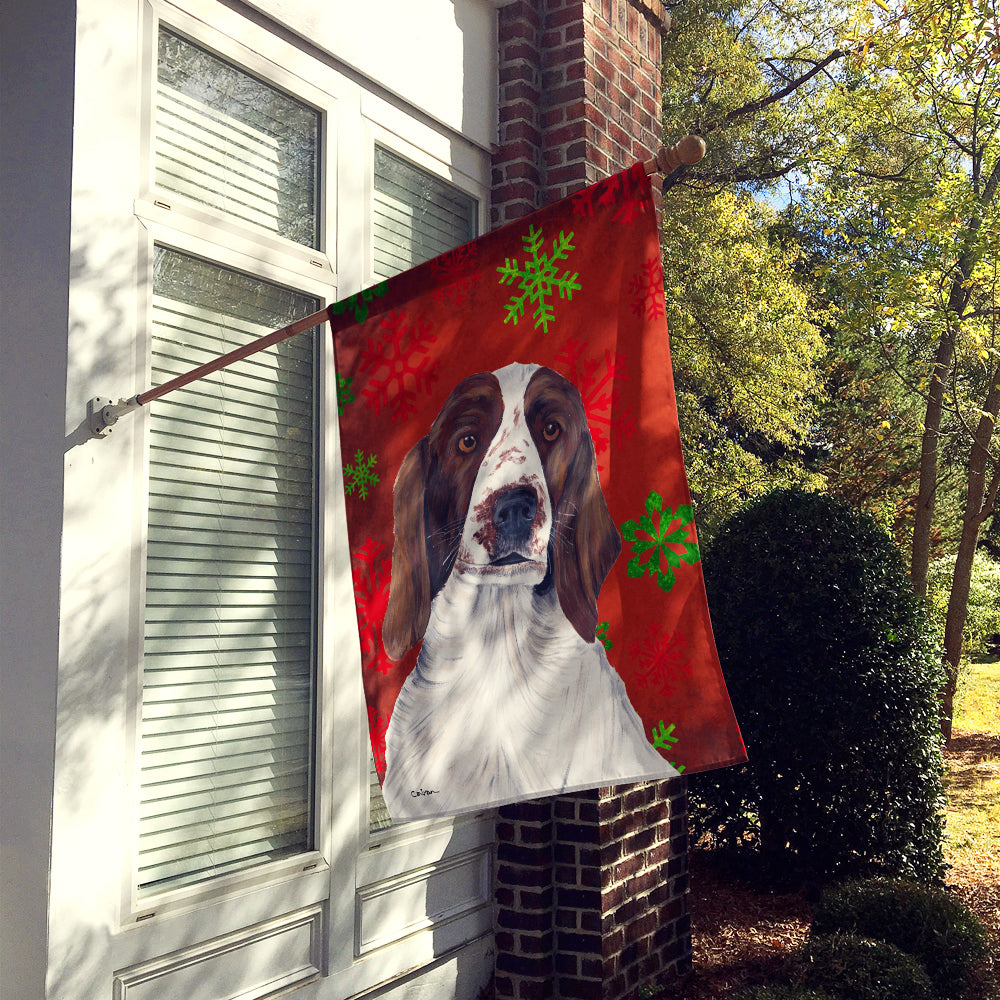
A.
x: 591, y: 889
x: 579, y: 96
x: 524, y: 897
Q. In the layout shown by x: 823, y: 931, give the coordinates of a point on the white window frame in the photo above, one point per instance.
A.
x: 350, y: 871
x: 180, y: 224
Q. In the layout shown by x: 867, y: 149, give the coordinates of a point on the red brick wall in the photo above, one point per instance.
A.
x: 579, y: 96
x: 591, y: 893
x: 591, y: 889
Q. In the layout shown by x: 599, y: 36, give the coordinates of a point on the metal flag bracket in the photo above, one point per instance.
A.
x: 103, y: 413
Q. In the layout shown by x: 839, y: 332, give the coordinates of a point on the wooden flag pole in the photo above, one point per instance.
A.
x: 103, y: 413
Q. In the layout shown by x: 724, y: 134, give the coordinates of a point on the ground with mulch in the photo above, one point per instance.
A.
x: 742, y: 935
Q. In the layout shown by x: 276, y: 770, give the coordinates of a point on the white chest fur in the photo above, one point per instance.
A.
x: 507, y: 701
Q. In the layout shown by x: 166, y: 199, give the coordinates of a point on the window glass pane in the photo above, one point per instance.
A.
x: 228, y: 140
x: 228, y: 678
x: 416, y: 217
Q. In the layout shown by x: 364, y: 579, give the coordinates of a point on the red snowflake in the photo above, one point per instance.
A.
x: 372, y: 573
x: 629, y: 211
x: 647, y: 287
x: 660, y: 660
x: 455, y: 275
x: 377, y: 726
x: 597, y: 379
x: 620, y: 189
x: 396, y: 361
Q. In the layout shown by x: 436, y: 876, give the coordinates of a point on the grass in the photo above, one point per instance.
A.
x: 973, y: 808
x: 977, y: 707
x: 973, y: 782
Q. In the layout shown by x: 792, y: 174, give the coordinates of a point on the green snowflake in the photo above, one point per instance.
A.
x: 663, y: 737
x: 345, y: 394
x: 660, y: 541
x: 358, y: 302
x: 538, y: 278
x: 602, y: 634
x: 358, y: 477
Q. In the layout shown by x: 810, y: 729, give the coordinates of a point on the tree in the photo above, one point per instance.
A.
x: 912, y: 178
x: 747, y: 353
x: 881, y: 119
x: 747, y: 357
x: 746, y: 76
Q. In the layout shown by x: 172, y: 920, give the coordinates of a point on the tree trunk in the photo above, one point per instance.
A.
x: 958, y: 299
x: 920, y: 554
x: 979, y: 499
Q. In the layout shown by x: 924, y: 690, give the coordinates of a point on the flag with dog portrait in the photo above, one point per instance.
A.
x: 527, y: 577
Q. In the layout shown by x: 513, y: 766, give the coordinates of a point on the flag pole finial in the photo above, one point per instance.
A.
x: 668, y: 158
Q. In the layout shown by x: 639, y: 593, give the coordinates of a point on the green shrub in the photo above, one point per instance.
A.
x: 856, y: 968
x: 833, y: 673
x: 926, y: 922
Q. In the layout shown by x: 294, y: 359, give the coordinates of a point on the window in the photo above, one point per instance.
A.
x: 225, y: 139
x: 416, y: 216
x: 210, y: 831
x: 228, y: 689
x: 229, y: 645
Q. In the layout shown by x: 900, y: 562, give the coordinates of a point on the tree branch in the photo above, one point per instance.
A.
x: 753, y: 107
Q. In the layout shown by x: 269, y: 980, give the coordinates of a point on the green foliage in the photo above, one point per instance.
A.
x: 727, y: 71
x: 924, y: 921
x: 746, y: 352
x: 878, y: 126
x: 983, y: 612
x: 833, y: 674
x: 745, y: 342
x: 857, y: 968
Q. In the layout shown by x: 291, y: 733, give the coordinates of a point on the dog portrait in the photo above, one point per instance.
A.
x: 502, y: 541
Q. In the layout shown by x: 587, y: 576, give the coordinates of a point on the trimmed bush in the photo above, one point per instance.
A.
x: 926, y: 922
x: 856, y: 968
x: 833, y: 673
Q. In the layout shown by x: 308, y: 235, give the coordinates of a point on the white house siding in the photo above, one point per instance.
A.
x: 408, y: 915
x: 430, y: 53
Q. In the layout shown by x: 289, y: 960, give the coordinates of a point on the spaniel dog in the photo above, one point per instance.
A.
x: 502, y: 542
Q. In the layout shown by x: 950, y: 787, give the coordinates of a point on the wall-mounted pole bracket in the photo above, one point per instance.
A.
x: 103, y: 413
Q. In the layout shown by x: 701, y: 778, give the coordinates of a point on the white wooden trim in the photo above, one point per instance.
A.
x: 96, y: 925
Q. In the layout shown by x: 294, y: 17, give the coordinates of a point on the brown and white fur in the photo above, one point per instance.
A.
x: 502, y: 542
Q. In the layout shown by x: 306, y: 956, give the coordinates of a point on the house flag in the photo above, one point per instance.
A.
x: 527, y: 576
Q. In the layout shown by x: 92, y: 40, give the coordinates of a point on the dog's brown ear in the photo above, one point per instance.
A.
x: 581, y: 566
x: 409, y: 590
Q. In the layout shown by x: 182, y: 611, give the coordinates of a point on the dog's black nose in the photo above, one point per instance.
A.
x: 514, y: 512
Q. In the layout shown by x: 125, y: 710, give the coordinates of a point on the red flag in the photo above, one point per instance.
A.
x: 526, y: 569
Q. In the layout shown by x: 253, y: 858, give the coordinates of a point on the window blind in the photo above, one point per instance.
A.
x: 228, y: 140
x: 228, y: 653
x: 416, y: 216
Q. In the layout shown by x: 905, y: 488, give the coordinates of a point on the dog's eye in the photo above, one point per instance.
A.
x: 467, y: 445
x: 551, y: 431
